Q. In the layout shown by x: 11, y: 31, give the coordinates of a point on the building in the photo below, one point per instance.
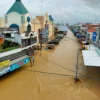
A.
x: 1, y: 39
x: 2, y: 22
x: 18, y: 17
x: 42, y: 22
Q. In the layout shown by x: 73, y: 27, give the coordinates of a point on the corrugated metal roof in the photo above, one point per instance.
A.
x: 18, y: 7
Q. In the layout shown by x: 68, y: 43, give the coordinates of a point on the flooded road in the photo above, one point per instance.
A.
x: 52, y: 77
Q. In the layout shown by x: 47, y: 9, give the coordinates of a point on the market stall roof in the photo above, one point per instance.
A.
x: 96, y: 45
x: 91, y: 58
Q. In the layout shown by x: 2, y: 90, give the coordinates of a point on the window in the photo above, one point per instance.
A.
x: 33, y: 40
x: 8, y: 35
x: 6, y: 19
x: 22, y: 18
x: 29, y: 28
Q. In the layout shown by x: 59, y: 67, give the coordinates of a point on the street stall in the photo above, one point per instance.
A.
x: 91, y: 58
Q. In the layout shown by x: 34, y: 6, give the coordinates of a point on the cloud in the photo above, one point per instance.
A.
x: 68, y: 11
x: 92, y: 3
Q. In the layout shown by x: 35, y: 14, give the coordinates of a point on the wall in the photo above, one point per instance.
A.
x: 25, y: 24
x: 37, y: 25
x: 1, y: 41
x: 18, y: 38
x: 13, y: 17
x: 2, y: 22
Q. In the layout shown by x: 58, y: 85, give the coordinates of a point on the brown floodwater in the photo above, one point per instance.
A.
x: 52, y: 77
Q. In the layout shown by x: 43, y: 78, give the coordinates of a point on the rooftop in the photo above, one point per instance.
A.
x: 18, y: 7
x: 91, y: 30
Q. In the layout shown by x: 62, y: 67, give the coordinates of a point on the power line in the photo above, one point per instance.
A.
x: 34, y: 71
x: 63, y: 75
x: 58, y: 65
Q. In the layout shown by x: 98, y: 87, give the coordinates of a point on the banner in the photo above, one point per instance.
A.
x: 19, y: 64
x: 94, y: 36
x: 4, y: 67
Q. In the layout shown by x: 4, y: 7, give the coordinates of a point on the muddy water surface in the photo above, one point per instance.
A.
x: 52, y: 77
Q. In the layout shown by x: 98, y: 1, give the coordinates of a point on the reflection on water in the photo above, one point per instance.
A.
x: 52, y: 77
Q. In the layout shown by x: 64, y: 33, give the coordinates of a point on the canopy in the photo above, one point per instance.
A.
x: 91, y: 58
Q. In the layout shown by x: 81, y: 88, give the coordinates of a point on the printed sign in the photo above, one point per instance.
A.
x: 19, y: 64
x: 5, y: 63
x: 4, y: 67
x: 94, y: 36
x: 4, y: 70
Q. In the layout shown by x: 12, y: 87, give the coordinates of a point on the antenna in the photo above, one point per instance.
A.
x: 41, y: 7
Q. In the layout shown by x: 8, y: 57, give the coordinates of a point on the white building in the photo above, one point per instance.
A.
x: 18, y: 17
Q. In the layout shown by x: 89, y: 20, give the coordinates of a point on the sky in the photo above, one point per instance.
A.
x: 66, y: 11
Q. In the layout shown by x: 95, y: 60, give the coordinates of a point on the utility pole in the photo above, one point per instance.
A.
x: 76, y: 78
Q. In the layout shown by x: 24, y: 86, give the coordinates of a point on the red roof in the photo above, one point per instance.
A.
x: 91, y: 25
x: 92, y: 30
x: 95, y: 25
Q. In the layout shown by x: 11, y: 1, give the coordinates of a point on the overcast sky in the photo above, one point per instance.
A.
x: 68, y: 11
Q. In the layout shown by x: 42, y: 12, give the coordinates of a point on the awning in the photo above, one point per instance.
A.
x: 91, y: 58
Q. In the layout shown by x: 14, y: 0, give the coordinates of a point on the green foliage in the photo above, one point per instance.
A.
x: 8, y: 49
x: 9, y: 44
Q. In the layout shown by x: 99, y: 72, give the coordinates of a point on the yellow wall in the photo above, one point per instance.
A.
x: 2, y: 22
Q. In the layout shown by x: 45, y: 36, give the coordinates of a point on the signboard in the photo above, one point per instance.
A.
x: 94, y: 36
x: 5, y: 63
x: 4, y: 67
x: 4, y: 70
x: 19, y: 64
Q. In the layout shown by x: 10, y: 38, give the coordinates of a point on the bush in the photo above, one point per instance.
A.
x: 8, y: 49
x: 9, y: 44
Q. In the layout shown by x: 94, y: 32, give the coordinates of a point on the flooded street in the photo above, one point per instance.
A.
x: 52, y: 76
